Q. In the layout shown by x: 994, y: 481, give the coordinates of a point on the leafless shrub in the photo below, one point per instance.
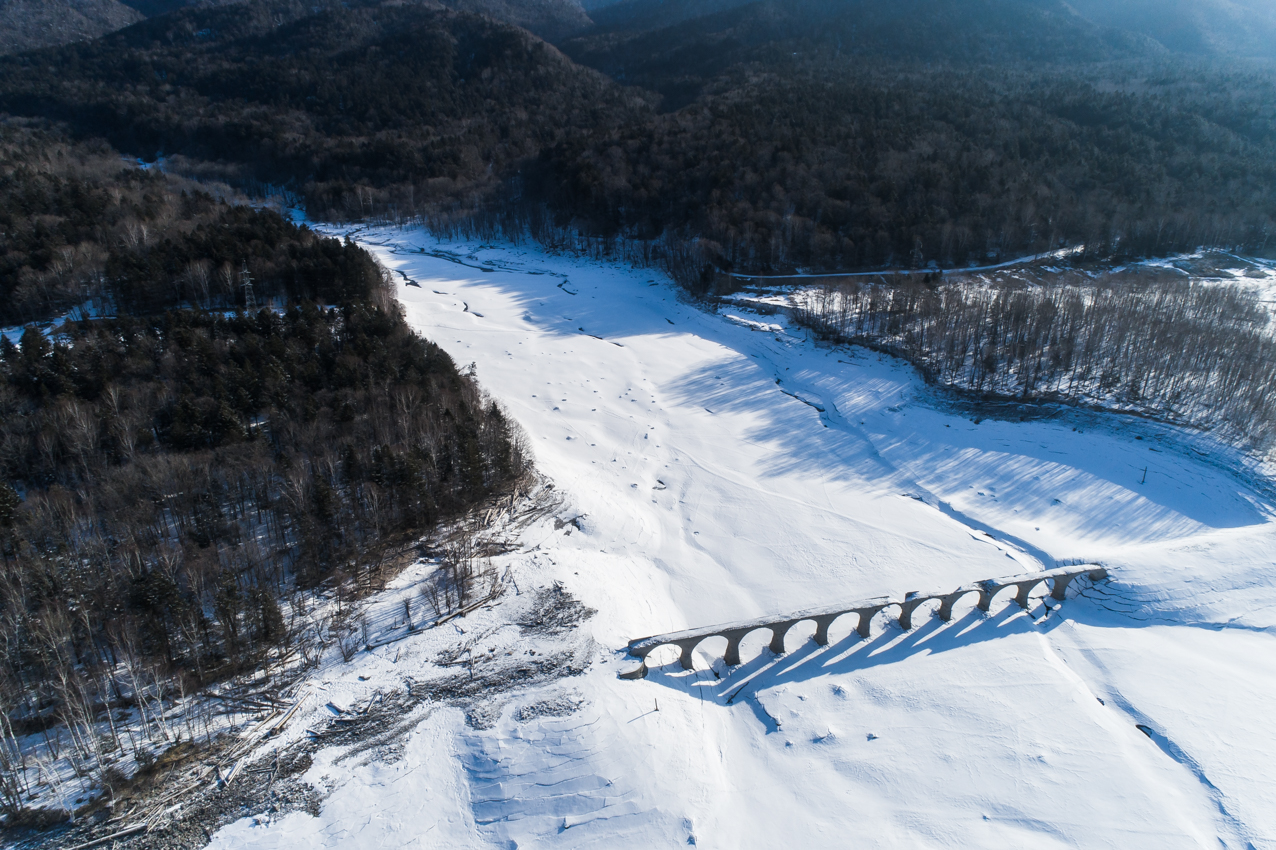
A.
x: 464, y: 576
x: 351, y: 638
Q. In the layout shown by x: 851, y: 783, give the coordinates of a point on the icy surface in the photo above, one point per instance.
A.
x: 725, y: 467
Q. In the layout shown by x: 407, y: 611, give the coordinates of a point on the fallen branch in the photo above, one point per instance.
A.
x: 123, y: 833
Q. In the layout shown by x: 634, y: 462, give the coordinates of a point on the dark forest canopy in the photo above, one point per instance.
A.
x: 641, y: 48
x: 79, y: 227
x: 813, y: 134
x: 174, y: 464
x: 841, y: 135
x: 871, y: 167
x: 440, y: 104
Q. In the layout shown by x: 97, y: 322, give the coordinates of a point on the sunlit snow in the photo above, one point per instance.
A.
x: 727, y: 467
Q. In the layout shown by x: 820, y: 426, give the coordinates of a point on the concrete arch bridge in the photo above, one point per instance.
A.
x: 865, y: 610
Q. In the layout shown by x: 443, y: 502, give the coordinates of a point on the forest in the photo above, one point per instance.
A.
x: 774, y: 137
x: 778, y: 176
x: 1144, y: 340
x: 84, y: 229
x: 358, y: 109
x: 179, y: 468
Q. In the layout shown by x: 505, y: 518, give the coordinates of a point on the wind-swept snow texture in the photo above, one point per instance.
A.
x: 727, y: 467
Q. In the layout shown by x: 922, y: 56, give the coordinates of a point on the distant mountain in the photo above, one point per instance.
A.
x: 1230, y: 27
x: 152, y: 8
x: 550, y: 19
x: 639, y: 15
x: 31, y: 24
x: 28, y: 24
x: 673, y: 45
x: 1239, y: 27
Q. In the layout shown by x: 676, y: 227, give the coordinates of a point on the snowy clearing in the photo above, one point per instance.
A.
x: 724, y: 467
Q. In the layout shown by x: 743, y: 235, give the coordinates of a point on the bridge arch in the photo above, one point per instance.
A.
x: 823, y: 622
x: 649, y: 652
x: 911, y: 603
x: 1023, y: 588
x: 736, y: 636
x: 950, y: 600
x: 782, y: 629
x: 1057, y: 582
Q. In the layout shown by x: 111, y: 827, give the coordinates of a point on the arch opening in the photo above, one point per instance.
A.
x: 708, y: 649
x: 915, y: 612
x: 999, y: 596
x: 663, y: 655
x: 959, y: 602
x: 799, y: 633
x: 753, y: 642
x: 833, y: 628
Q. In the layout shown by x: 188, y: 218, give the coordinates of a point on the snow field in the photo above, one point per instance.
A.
x: 723, y: 468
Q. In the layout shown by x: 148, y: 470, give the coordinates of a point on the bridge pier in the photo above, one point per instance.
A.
x: 778, y: 631
x: 910, y: 604
x: 732, y: 655
x: 987, y: 590
x: 866, y: 615
x: 946, y: 603
x: 822, y: 628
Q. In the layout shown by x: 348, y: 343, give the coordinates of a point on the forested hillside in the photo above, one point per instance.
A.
x: 358, y: 110
x: 814, y: 134
x: 635, y: 42
x: 827, y: 135
x: 872, y: 167
x: 177, y: 463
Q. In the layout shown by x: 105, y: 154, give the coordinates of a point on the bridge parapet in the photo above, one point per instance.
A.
x: 865, y: 610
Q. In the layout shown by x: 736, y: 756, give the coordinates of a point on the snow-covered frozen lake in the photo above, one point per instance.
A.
x: 727, y: 467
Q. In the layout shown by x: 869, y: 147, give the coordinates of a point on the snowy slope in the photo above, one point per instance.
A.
x: 727, y: 468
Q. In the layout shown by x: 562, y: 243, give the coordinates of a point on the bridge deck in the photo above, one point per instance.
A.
x: 640, y: 647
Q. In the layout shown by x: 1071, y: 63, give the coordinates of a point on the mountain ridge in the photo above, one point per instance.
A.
x: 32, y: 24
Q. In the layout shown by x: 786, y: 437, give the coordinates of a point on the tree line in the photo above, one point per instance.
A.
x: 1196, y: 353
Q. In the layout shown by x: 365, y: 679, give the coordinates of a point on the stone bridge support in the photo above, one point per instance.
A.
x: 947, y: 602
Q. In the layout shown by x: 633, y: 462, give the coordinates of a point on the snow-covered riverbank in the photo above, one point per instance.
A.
x: 725, y: 467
